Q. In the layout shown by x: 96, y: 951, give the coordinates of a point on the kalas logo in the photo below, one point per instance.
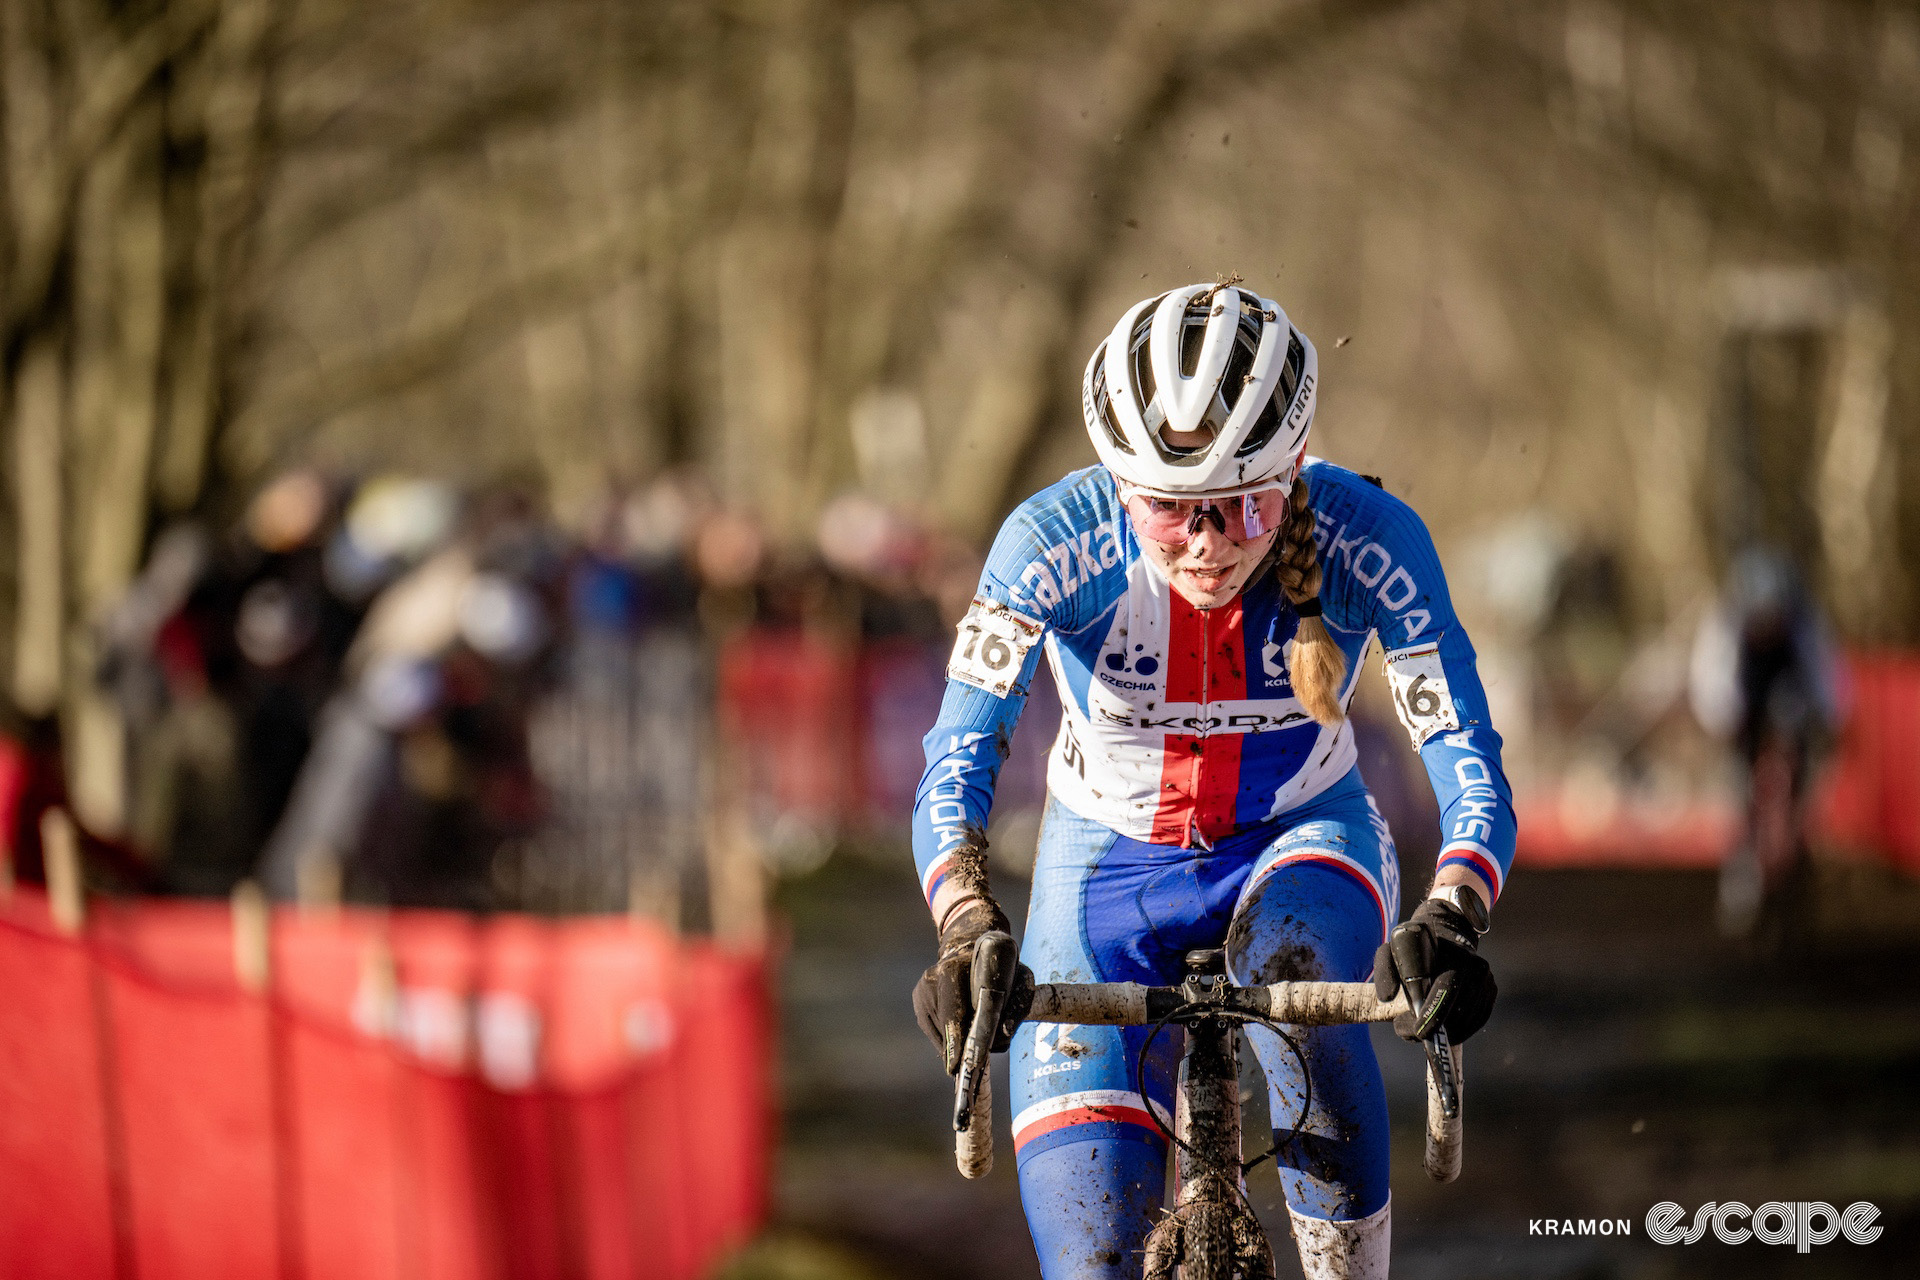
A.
x: 1800, y: 1223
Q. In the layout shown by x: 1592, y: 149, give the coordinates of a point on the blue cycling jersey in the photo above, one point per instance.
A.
x: 1180, y: 725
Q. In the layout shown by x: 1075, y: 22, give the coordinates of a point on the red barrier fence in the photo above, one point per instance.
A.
x: 413, y: 1095
x: 1871, y: 798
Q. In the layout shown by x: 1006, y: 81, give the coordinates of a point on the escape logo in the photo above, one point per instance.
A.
x: 1800, y: 1223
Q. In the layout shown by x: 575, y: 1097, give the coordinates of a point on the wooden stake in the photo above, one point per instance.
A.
x: 736, y: 872
x: 60, y: 847
x: 252, y: 934
x: 376, y: 1004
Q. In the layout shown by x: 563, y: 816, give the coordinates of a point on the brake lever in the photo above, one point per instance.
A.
x: 1413, y: 961
x: 996, y: 963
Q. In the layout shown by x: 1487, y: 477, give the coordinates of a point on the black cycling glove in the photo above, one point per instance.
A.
x: 943, y: 998
x: 1440, y: 945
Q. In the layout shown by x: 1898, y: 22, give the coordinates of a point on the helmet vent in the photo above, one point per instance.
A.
x: 1103, y: 405
x: 1274, y: 411
x: 1145, y: 386
x: 1193, y: 333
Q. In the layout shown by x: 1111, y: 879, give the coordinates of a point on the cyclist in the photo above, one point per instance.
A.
x: 1765, y: 675
x: 1205, y: 596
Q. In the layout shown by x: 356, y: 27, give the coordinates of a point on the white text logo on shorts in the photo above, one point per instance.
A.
x: 1800, y: 1223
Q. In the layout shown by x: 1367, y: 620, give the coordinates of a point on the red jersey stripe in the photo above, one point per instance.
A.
x: 1488, y: 869
x: 1083, y: 1115
x: 1226, y: 652
x: 1179, y: 786
x: 1217, y: 783
x: 1186, y: 649
x: 1200, y: 774
x: 1206, y: 651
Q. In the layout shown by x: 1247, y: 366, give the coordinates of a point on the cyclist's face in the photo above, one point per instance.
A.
x: 1210, y: 568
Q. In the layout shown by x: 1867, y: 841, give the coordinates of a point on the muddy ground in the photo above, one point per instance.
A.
x: 1634, y: 1058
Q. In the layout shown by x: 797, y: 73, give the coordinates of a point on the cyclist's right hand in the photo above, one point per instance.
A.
x: 943, y: 998
x: 1443, y: 946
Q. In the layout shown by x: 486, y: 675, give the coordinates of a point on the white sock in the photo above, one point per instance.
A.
x: 1344, y: 1250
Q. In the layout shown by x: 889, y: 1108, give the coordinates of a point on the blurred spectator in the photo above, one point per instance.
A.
x: 421, y: 771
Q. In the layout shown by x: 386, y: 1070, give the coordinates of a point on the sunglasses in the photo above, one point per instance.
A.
x: 1175, y: 521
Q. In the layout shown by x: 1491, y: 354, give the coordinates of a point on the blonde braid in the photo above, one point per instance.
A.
x: 1314, y: 662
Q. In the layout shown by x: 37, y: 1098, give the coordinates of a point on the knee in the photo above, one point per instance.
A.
x: 1273, y: 937
x: 1303, y: 924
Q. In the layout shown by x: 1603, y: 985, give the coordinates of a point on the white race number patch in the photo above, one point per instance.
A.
x: 992, y: 647
x: 1420, y: 693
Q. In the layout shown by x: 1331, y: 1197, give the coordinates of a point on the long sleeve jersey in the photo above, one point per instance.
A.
x: 1180, y: 725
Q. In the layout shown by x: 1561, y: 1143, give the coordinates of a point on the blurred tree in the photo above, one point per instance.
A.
x: 1780, y: 129
x: 717, y: 228
x: 133, y: 175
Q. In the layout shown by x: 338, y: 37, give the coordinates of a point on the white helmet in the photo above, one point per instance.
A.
x: 1206, y: 358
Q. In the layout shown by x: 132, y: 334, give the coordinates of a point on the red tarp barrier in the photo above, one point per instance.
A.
x: 192, y: 1068
x: 789, y: 708
x: 438, y: 1108
x: 1871, y: 798
x: 330, y: 973
x: 57, y: 1219
x: 418, y: 1094
x: 732, y: 1146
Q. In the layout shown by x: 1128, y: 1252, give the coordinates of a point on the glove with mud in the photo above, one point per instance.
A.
x: 943, y: 998
x: 1438, y: 945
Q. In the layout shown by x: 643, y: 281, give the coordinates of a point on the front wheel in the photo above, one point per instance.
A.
x: 1209, y: 1240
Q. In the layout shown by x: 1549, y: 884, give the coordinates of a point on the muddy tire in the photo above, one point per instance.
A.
x: 1163, y: 1249
x: 1208, y: 1240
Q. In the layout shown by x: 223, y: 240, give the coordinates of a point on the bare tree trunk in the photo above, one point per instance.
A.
x: 119, y: 300
x: 223, y: 98
x: 39, y: 407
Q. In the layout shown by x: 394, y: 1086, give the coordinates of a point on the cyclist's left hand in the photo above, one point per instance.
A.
x: 1461, y: 989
